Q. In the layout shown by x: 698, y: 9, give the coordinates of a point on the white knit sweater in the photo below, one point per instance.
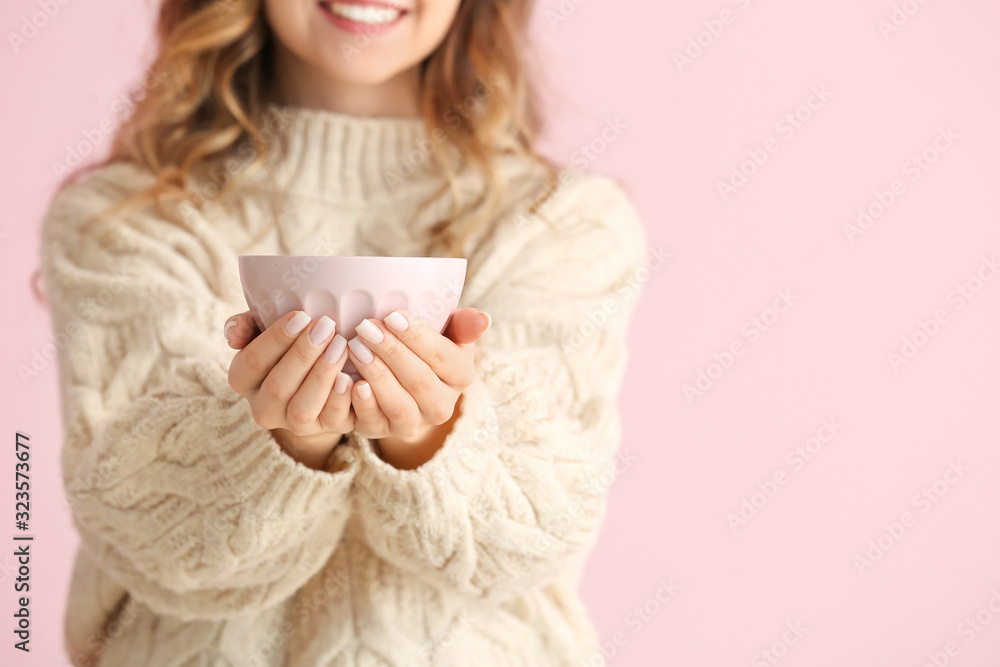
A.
x: 202, y: 543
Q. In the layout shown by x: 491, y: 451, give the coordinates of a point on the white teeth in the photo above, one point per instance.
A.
x: 364, y: 13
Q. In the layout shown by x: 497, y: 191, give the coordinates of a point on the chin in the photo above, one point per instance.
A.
x: 352, y: 55
x: 371, y: 73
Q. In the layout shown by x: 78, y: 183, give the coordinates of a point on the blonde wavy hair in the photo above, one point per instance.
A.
x: 213, y: 69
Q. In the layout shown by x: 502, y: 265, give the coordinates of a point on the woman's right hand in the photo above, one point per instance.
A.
x: 295, y: 386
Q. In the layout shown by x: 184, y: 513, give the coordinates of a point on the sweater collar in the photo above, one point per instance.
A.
x: 349, y: 159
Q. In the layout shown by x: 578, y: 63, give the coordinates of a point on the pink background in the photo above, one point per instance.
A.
x: 693, y: 462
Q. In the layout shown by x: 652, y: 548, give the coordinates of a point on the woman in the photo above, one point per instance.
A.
x: 247, y: 504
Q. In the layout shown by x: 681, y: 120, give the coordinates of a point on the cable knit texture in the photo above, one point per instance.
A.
x: 203, y: 543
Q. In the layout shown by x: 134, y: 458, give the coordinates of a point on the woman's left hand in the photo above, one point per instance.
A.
x: 413, y: 376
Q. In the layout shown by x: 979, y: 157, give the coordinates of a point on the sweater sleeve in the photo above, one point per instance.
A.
x: 175, y: 490
x: 517, y: 493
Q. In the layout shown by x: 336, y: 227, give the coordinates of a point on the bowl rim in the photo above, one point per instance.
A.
x: 350, y: 257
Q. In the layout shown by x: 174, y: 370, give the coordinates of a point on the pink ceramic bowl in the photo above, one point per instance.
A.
x: 350, y: 289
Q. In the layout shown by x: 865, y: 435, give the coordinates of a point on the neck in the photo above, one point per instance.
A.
x: 349, y: 158
x: 303, y: 85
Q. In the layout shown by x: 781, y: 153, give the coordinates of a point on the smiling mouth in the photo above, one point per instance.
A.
x: 364, y: 14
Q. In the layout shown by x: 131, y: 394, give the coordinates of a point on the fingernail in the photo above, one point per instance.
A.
x: 335, y: 349
x: 229, y: 325
x: 322, y: 330
x: 340, y: 384
x: 364, y: 355
x: 364, y: 390
x: 295, y: 325
x: 396, y: 321
x: 489, y: 320
x: 370, y: 332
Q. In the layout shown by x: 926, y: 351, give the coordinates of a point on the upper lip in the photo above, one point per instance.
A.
x: 373, y: 3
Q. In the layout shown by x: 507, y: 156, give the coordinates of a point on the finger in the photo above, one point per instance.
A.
x: 336, y: 413
x: 398, y: 406
x: 467, y: 325
x: 253, y: 363
x: 287, y: 376
x: 240, y: 330
x: 448, y: 360
x: 305, y: 407
x: 369, y: 420
x: 392, y: 364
